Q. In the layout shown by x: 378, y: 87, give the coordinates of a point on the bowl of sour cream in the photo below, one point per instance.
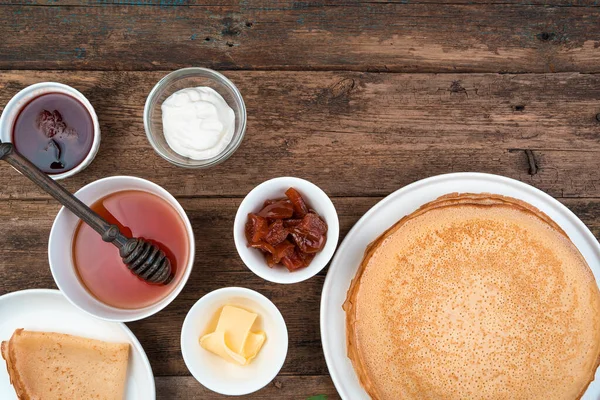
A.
x: 195, y: 118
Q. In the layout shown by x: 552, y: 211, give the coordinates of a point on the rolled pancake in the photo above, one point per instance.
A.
x: 49, y: 366
x: 474, y: 296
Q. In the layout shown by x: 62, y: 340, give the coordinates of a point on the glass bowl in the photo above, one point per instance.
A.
x: 185, y: 78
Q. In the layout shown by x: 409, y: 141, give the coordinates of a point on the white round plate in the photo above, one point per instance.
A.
x: 48, y: 310
x: 389, y: 210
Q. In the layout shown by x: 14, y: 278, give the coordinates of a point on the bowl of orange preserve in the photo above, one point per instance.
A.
x: 278, y: 241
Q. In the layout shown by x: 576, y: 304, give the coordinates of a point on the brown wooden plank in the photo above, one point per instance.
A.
x: 265, y: 4
x: 373, y: 36
x: 563, y: 3
x: 282, y: 388
x: 299, y: 304
x: 355, y: 134
x: 25, y: 225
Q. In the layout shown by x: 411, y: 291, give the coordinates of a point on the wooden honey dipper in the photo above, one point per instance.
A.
x: 142, y: 258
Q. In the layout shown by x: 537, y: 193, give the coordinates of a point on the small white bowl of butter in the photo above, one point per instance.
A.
x: 195, y: 118
x: 234, y: 341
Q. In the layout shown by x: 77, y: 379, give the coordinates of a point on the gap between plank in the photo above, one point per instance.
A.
x: 50, y: 201
x: 333, y: 5
x: 369, y: 70
x: 286, y: 374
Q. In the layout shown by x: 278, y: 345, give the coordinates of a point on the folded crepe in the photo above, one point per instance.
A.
x: 49, y: 366
x: 474, y: 296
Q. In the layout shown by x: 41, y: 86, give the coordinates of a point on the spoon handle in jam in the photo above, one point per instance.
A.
x: 109, y: 233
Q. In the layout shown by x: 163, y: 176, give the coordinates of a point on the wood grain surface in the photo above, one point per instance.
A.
x: 355, y: 134
x: 305, y: 35
x: 359, y: 97
x: 24, y: 264
x: 283, y: 387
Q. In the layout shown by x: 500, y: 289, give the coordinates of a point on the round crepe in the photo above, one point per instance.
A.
x: 474, y: 296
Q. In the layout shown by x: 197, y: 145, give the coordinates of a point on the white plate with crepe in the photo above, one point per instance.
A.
x: 390, y: 210
x: 47, y: 310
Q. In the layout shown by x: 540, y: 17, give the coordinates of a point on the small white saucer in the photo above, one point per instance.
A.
x: 48, y: 310
x: 222, y: 376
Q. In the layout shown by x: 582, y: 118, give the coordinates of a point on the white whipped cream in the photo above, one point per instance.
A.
x: 197, y: 122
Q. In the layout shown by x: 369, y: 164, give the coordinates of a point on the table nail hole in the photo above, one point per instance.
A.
x: 545, y: 36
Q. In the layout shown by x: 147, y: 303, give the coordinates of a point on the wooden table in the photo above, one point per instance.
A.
x: 359, y: 97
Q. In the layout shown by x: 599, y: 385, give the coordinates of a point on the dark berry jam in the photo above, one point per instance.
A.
x: 54, y: 131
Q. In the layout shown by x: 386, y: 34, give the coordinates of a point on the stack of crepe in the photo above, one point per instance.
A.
x: 48, y: 366
x: 474, y: 296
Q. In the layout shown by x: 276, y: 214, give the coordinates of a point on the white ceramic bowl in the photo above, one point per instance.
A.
x: 222, y: 376
x: 273, y: 189
x: 61, y: 258
x: 13, y: 107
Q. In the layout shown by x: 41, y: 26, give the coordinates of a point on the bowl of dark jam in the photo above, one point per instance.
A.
x: 54, y: 126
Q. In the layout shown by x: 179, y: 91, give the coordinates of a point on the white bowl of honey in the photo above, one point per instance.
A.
x: 91, y: 273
